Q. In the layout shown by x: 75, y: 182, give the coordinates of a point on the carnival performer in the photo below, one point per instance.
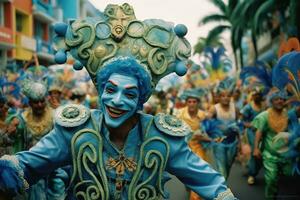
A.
x: 118, y: 152
x: 249, y: 112
x: 34, y: 123
x: 55, y: 99
x: 5, y: 141
x: 268, y: 124
x: 225, y: 137
x: 285, y: 77
x: 193, y: 116
x: 12, y: 138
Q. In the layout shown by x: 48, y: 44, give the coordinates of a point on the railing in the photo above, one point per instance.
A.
x: 40, y: 5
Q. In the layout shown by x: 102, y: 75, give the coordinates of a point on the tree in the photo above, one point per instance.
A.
x: 224, y: 17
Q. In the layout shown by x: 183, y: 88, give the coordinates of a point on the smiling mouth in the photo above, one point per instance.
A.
x: 115, y: 112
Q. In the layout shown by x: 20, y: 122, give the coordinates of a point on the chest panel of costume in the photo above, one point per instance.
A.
x: 95, y: 173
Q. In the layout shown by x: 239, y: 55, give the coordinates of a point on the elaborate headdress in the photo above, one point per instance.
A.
x: 34, y: 85
x: 286, y: 75
x: 228, y: 84
x: 257, y: 78
x: 93, y: 42
x: 196, y: 93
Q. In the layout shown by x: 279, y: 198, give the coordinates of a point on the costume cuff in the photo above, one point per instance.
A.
x: 226, y: 195
x: 13, y: 162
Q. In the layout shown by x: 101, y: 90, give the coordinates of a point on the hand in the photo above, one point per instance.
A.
x: 247, y: 125
x: 12, y: 127
x: 257, y: 153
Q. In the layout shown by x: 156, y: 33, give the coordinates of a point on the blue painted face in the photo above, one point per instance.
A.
x: 119, y: 100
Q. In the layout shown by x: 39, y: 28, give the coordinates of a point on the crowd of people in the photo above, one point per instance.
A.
x: 252, y: 123
x: 51, y: 132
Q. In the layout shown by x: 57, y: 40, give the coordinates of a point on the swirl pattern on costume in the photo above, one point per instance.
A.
x: 153, y: 165
x: 86, y: 152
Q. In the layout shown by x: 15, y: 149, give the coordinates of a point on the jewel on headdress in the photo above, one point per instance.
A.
x: 60, y: 57
x: 157, y: 44
x: 60, y: 29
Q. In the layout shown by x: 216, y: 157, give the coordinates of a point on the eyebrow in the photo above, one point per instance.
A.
x: 131, y: 87
x: 115, y: 84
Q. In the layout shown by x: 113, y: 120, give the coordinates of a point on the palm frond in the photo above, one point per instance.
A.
x: 215, y: 32
x: 262, y: 12
x: 221, y: 5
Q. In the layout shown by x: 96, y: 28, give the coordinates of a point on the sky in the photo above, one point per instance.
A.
x: 187, y: 12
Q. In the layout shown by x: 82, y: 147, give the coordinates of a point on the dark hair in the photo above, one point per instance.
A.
x: 130, y: 67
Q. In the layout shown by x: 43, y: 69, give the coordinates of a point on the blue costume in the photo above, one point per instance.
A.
x: 104, y: 166
x: 223, y: 130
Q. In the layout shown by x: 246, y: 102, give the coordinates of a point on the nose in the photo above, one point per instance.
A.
x: 117, y: 99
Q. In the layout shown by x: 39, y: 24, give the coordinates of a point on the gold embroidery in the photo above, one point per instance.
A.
x: 121, y: 163
x: 278, y: 122
x: 39, y: 125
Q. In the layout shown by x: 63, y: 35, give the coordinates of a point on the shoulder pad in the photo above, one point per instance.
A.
x: 72, y: 115
x: 171, y: 125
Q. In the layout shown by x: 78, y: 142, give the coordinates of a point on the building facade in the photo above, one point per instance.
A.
x: 26, y: 28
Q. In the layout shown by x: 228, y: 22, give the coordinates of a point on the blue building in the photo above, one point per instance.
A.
x: 46, y: 13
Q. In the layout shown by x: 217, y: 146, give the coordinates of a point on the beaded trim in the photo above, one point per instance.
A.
x: 226, y: 195
x: 16, y: 165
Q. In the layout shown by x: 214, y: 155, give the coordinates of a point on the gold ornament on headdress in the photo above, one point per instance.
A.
x: 154, y: 43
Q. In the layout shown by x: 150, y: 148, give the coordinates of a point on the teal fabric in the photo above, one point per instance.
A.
x: 54, y: 151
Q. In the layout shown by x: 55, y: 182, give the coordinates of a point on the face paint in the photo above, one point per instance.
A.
x: 119, y: 99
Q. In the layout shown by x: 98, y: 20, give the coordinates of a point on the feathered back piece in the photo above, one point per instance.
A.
x: 286, y: 75
x: 258, y: 76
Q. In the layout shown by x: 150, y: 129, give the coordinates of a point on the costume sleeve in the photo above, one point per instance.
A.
x: 260, y: 121
x: 195, y: 173
x: 50, y: 153
x: 245, y: 111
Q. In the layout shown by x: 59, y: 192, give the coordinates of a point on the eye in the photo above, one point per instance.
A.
x: 131, y: 95
x: 110, y: 90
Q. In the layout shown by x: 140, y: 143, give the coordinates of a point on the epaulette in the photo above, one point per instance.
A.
x: 171, y: 125
x: 72, y: 115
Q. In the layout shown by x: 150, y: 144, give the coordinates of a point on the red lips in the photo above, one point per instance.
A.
x: 115, y: 112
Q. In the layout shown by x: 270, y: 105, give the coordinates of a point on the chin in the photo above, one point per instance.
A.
x: 113, y: 123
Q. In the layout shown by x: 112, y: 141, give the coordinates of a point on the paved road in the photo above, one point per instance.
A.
x: 289, y: 187
x: 237, y: 181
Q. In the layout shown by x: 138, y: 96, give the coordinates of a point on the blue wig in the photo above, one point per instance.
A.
x: 127, y: 66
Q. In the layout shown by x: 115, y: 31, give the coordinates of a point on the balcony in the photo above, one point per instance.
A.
x: 6, y: 38
x: 25, y: 46
x: 43, y: 11
x: 44, y: 50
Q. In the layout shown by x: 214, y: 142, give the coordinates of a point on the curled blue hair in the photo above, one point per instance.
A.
x: 127, y: 66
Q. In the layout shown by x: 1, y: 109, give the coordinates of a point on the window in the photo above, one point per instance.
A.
x: 41, y: 30
x: 2, y: 14
x: 19, y: 22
